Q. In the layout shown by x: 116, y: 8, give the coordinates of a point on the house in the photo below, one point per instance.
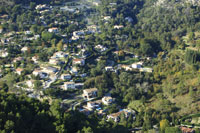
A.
x: 53, y: 30
x: 27, y: 32
x: 101, y: 48
x: 109, y: 68
x: 5, y: 16
x: 74, y: 70
x: 90, y: 93
x: 93, y: 104
x: 150, y: 70
x: 106, y: 17
x: 39, y: 73
x: 79, y: 85
x: 126, y: 67
x: 69, y: 85
x: 118, y: 26
x: 54, y: 61
x: 136, y: 65
x: 35, y: 59
x: 18, y: 59
x: 36, y: 37
x: 3, y: 53
x: 79, y: 62
x: 66, y: 76
x: 19, y: 71
x: 187, y: 130
x: 40, y: 7
x: 116, y: 116
x: 107, y: 100
x: 30, y: 83
x: 60, y: 54
x: 50, y: 70
x: 24, y: 49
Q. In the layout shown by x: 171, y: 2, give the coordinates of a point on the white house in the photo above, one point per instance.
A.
x: 136, y: 66
x: 35, y: 59
x: 107, y: 17
x: 74, y: 70
x: 30, y: 83
x: 54, y: 61
x: 39, y: 73
x: 60, y: 54
x: 93, y: 104
x: 66, y: 76
x: 109, y: 68
x: 90, y: 93
x: 107, y: 100
x: 118, y: 26
x: 24, y: 49
x: 50, y: 70
x: 69, y: 85
x: 101, y: 48
x: 4, y: 53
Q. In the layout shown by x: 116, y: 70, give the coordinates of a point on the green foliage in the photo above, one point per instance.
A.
x: 191, y: 56
x: 163, y: 125
x: 172, y: 130
x: 47, y: 36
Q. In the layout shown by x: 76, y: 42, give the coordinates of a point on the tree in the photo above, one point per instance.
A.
x: 47, y: 36
x: 145, y: 47
x: 60, y: 45
x: 163, y: 124
x: 87, y: 130
x: 172, y: 130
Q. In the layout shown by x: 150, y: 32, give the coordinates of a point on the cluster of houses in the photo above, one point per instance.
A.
x: 92, y: 105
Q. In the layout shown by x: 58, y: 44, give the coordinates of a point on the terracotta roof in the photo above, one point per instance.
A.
x: 187, y: 130
x: 19, y: 69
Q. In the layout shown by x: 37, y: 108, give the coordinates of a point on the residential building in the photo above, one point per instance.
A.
x: 90, y: 93
x: 79, y: 62
x: 53, y: 30
x: 107, y: 100
x: 30, y: 83
x: 39, y: 73
x: 126, y: 67
x: 19, y: 71
x: 187, y: 130
x: 74, y: 70
x: 93, y: 104
x: 116, y: 116
x: 69, y: 85
x: 66, y: 76
x: 60, y: 54
x: 118, y: 26
x: 24, y: 49
x: 54, y: 61
x: 35, y: 59
x: 136, y: 65
x: 18, y: 59
x: 50, y: 70
x: 150, y: 70
x: 109, y: 68
x: 3, y: 53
